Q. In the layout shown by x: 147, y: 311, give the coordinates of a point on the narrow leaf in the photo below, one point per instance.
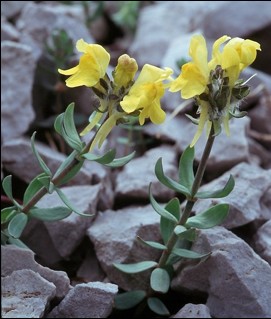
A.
x: 69, y: 126
x: 186, y: 172
x: 7, y: 214
x: 45, y: 181
x: 152, y: 244
x: 34, y: 186
x: 225, y: 191
x: 184, y: 233
x: 209, y: 218
x: 41, y: 162
x: 7, y: 187
x: 67, y: 202
x: 160, y: 210
x: 157, y: 306
x: 170, y: 183
x: 50, y: 214
x: 59, y: 123
x: 18, y: 242
x: 107, y: 158
x: 17, y: 225
x: 160, y: 280
x: 167, y: 226
x: 118, y: 162
x: 135, y: 268
x: 129, y: 299
x: 185, y: 253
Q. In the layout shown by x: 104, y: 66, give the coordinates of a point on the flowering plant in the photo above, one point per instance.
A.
x: 217, y: 90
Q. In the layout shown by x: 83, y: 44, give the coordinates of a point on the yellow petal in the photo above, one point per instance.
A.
x: 202, y: 120
x: 69, y: 71
x: 198, y: 52
x: 130, y: 103
x: 157, y: 115
x: 93, y: 120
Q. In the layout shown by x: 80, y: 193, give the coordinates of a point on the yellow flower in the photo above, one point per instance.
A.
x: 92, y: 65
x: 125, y: 71
x: 211, y: 83
x: 146, y: 93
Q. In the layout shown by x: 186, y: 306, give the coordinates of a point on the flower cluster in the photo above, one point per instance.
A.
x: 121, y: 97
x: 214, y: 84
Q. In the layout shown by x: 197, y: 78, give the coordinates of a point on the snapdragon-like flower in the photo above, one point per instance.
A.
x: 92, y: 65
x: 125, y: 71
x: 146, y: 93
x: 213, y: 84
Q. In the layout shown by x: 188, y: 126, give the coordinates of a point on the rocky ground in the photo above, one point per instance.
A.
x: 68, y: 272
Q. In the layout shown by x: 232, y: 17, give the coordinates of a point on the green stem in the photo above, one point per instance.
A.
x: 56, y: 180
x: 190, y: 202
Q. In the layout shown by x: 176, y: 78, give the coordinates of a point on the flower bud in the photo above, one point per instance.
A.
x: 125, y: 71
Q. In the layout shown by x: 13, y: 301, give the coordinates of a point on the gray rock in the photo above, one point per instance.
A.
x: 250, y: 198
x: 219, y: 160
x: 259, y: 155
x: 114, y: 237
x: 26, y: 166
x: 236, y: 279
x: 90, y: 269
x: 91, y: 300
x: 25, y: 294
x: 263, y: 241
x: 10, y: 9
x: 15, y: 258
x: 232, y: 19
x: 133, y: 181
x: 67, y: 233
x: 8, y: 32
x: 17, y: 72
x: 187, y: 16
x: 193, y: 311
x: 37, y: 22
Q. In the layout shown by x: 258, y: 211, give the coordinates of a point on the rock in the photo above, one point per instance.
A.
x: 258, y: 154
x: 26, y: 166
x: 133, y: 181
x: 187, y: 16
x: 25, y: 294
x: 263, y: 241
x: 17, y: 71
x: 38, y: 20
x: 193, y: 311
x: 8, y: 32
x: 114, y: 233
x: 250, y: 198
x: 67, y: 233
x: 219, y: 160
x: 11, y: 9
x: 91, y: 300
x: 90, y: 269
x: 15, y: 258
x: 237, y: 280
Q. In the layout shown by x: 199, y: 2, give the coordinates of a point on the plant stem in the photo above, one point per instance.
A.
x: 191, y: 201
x: 57, y: 179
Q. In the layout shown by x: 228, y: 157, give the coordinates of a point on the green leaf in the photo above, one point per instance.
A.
x: 69, y: 131
x: 34, y: 186
x: 7, y: 187
x: 118, y: 162
x: 129, y: 299
x: 72, y: 172
x: 17, y: 225
x: 186, y: 172
x: 157, y: 306
x: 18, y: 242
x: 210, y: 218
x: 152, y: 244
x: 184, y: 233
x: 160, y: 280
x: 59, y: 123
x: 160, y: 210
x: 135, y: 268
x: 50, y: 214
x: 107, y: 158
x: 170, y: 183
x: 45, y: 181
x: 7, y: 214
x: 167, y: 226
x: 185, y: 253
x: 41, y: 162
x: 225, y: 191
x: 67, y: 202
